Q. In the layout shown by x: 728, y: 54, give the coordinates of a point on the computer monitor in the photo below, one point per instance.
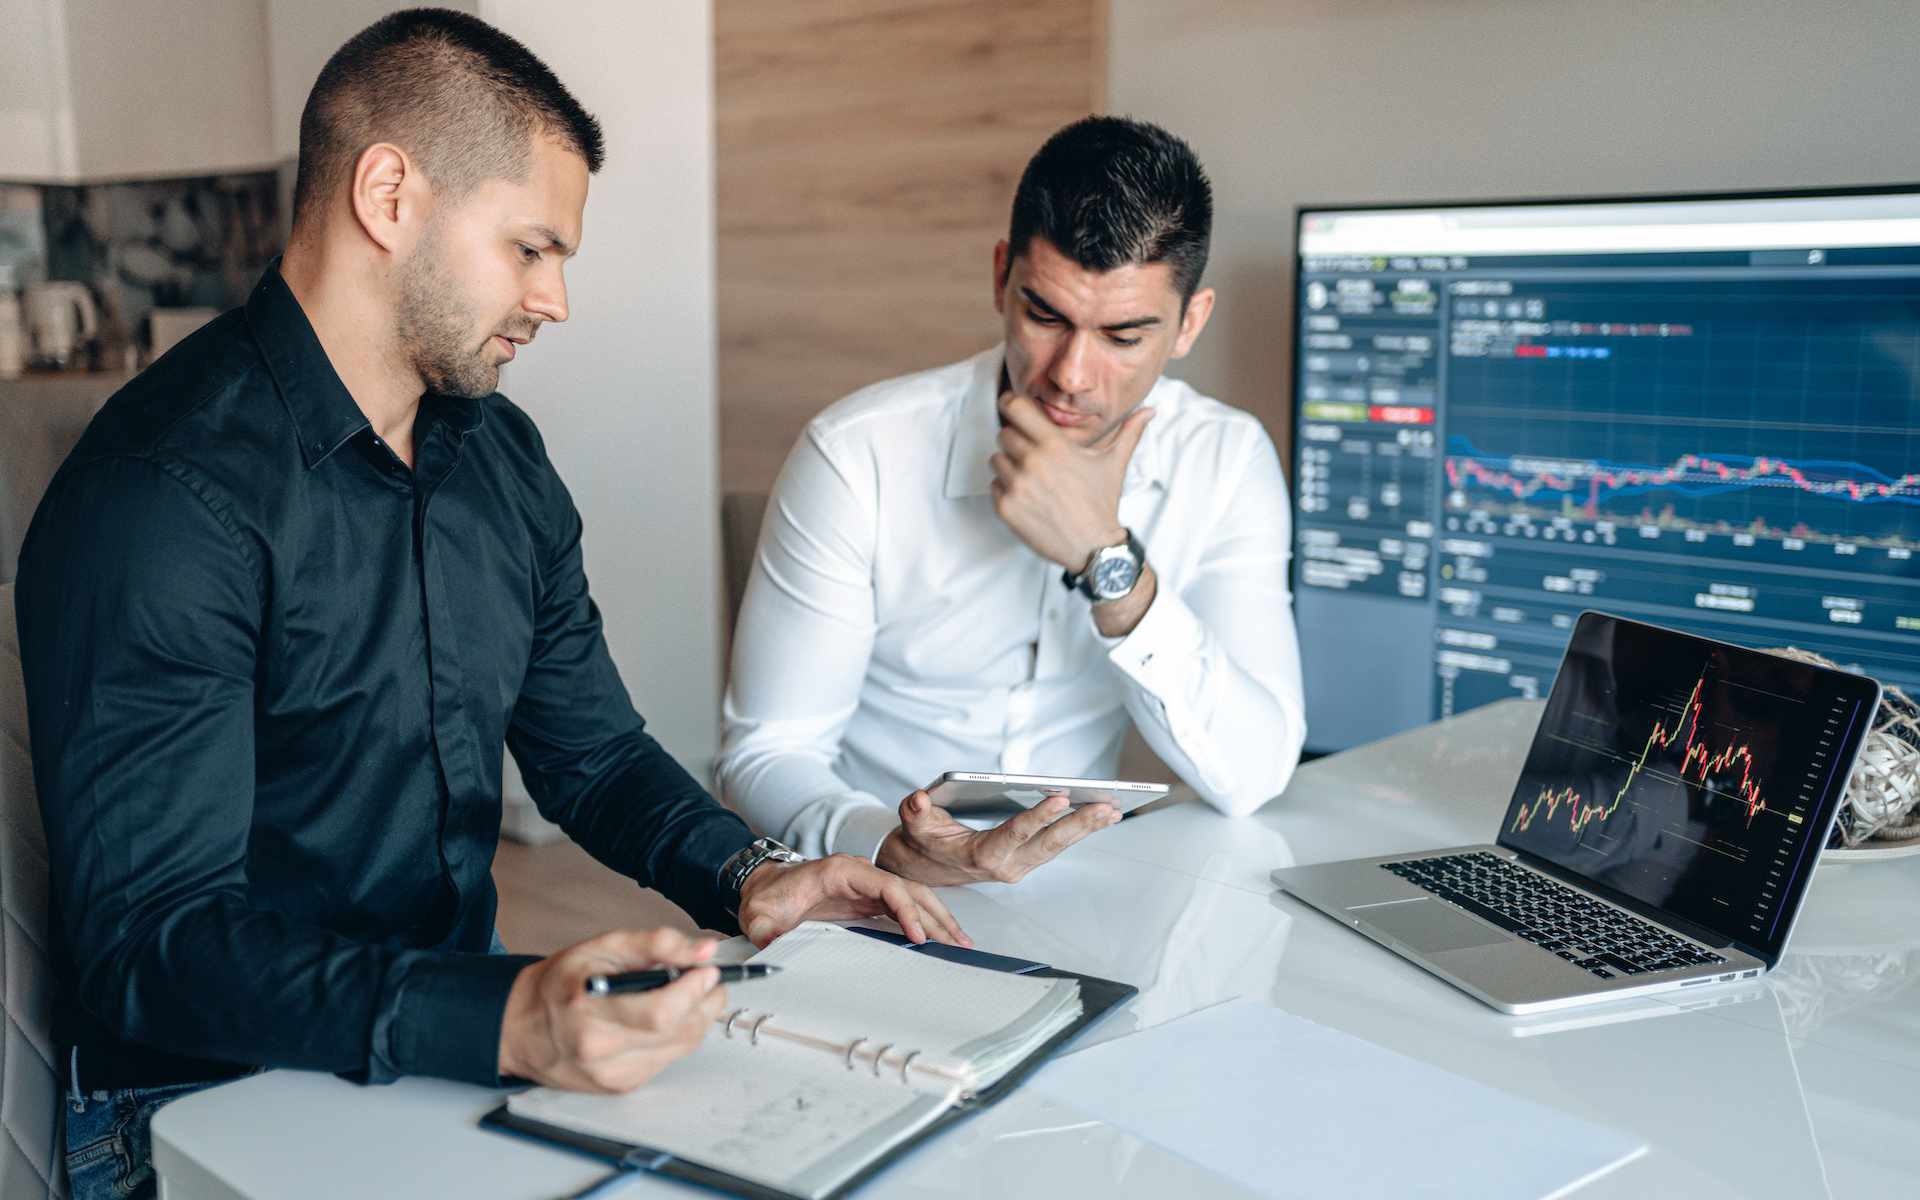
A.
x: 1698, y: 411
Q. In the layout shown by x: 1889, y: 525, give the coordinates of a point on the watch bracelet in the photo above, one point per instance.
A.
x: 744, y: 862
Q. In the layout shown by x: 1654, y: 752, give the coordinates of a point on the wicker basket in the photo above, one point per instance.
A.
x: 1882, y: 809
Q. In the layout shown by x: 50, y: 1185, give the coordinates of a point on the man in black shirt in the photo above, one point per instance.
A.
x: 284, y: 604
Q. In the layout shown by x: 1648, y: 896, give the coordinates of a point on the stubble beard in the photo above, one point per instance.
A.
x: 434, y: 323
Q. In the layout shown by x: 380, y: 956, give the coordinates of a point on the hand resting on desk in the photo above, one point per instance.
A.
x: 931, y: 847
x: 778, y: 896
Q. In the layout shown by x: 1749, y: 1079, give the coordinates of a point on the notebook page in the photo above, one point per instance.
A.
x: 783, y: 1116
x: 838, y: 988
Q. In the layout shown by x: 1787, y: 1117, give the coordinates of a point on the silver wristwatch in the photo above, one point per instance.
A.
x: 1111, y: 574
x: 734, y: 872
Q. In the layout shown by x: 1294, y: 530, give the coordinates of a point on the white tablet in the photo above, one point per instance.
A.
x: 969, y: 793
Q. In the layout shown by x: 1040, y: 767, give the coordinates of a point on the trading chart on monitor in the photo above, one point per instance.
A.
x: 1701, y: 413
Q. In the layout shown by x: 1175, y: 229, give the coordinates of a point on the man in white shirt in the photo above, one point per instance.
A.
x: 997, y: 564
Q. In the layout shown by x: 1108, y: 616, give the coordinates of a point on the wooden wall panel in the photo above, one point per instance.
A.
x: 867, y: 152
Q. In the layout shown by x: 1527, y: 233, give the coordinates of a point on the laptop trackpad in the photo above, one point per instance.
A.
x: 1428, y: 925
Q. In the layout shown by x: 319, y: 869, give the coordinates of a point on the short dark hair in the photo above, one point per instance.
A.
x: 463, y: 99
x: 1112, y: 191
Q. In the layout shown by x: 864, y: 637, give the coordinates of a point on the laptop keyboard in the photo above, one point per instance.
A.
x: 1607, y: 941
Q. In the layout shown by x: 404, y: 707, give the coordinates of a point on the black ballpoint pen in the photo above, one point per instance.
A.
x: 646, y: 981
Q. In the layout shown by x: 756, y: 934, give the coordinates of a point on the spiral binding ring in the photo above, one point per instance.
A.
x: 877, y: 1057
x: 731, y: 1018
x: 855, y: 1045
x: 907, y: 1062
x: 753, y: 1031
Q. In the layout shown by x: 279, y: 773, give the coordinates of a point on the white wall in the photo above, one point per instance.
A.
x: 301, y: 36
x: 624, y: 392
x: 1376, y: 100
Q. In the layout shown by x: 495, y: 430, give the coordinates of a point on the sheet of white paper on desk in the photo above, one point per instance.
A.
x: 1289, y: 1108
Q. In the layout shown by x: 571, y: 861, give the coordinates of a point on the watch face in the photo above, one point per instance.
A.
x: 1113, y: 577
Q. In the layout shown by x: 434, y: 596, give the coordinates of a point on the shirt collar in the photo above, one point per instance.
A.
x: 977, y: 432
x: 460, y: 415
x: 977, y: 429
x: 323, y: 412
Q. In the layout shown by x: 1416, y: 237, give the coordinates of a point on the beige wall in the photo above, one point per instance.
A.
x: 103, y: 89
x: 868, y: 151
x: 1377, y: 100
x: 36, y: 109
x: 168, y: 89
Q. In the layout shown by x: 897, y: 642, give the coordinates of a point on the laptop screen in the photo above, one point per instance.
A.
x: 1697, y: 777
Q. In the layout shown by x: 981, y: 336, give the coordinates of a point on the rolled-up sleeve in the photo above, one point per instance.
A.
x: 139, y: 613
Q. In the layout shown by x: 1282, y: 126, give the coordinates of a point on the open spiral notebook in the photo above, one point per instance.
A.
x: 818, y: 1076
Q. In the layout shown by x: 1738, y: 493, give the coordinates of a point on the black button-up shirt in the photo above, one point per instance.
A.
x: 269, y: 674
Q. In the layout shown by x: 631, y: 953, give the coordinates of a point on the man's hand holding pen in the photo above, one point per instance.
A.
x: 561, y: 1030
x: 556, y: 1032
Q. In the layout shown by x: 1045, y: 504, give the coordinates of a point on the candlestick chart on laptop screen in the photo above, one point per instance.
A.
x: 1693, y: 776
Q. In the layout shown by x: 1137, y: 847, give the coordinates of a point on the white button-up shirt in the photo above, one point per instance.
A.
x: 895, y: 628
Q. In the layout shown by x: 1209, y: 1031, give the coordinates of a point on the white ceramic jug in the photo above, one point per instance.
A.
x: 60, y: 312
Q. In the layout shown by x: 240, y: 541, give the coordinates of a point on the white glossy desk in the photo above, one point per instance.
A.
x: 1805, y: 1086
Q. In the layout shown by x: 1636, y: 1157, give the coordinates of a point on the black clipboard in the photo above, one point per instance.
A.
x: 1098, y: 998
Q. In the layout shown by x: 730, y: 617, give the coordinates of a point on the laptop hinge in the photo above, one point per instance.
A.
x: 1680, y: 925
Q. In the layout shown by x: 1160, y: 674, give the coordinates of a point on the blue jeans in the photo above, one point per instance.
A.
x: 109, y: 1146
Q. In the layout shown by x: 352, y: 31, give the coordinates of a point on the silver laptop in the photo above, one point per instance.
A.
x: 1661, y: 836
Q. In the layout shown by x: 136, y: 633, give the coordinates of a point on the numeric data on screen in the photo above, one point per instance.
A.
x: 1485, y: 445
